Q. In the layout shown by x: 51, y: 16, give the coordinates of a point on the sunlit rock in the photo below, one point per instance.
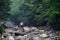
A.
x: 44, y: 35
x: 41, y: 30
x: 33, y: 28
x: 26, y: 29
x: 36, y: 38
x: 21, y: 38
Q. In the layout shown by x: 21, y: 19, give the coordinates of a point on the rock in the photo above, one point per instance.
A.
x: 26, y: 29
x: 43, y: 35
x: 33, y: 28
x: 46, y: 39
x: 36, y: 38
x: 21, y: 37
x: 41, y: 30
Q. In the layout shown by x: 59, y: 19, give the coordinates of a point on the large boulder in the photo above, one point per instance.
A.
x: 44, y: 35
x: 26, y: 29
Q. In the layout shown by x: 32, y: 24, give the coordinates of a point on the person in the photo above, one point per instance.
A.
x: 22, y: 24
x: 10, y: 37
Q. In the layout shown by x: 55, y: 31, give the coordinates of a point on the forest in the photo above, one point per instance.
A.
x: 31, y: 12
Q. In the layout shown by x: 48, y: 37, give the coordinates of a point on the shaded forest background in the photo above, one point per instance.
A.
x: 31, y: 12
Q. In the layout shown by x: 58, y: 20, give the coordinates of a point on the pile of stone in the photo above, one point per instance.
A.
x: 33, y: 33
x: 42, y: 35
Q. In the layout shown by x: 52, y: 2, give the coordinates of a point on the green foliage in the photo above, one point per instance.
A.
x: 1, y: 29
x: 38, y: 11
x: 15, y: 6
x: 47, y: 11
x: 4, y: 9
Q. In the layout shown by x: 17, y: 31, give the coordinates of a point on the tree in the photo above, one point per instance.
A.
x: 4, y: 12
x: 4, y: 9
x: 39, y: 12
x: 55, y: 14
x: 46, y: 11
